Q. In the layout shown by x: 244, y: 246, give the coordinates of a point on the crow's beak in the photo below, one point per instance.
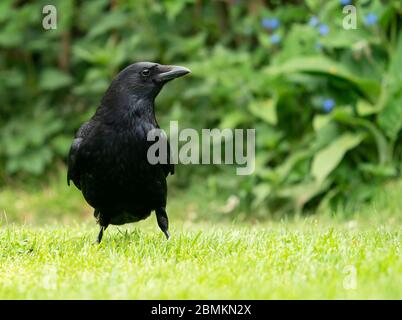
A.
x: 171, y: 72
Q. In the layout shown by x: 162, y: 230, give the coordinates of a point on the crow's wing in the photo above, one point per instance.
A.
x: 166, y: 167
x: 169, y: 167
x: 73, y: 172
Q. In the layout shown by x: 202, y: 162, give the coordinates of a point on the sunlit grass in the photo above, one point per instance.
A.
x: 47, y: 251
x: 306, y: 260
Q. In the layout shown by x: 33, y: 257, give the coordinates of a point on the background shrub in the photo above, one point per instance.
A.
x: 326, y: 102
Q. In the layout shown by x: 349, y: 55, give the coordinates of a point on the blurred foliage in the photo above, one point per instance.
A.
x: 326, y: 102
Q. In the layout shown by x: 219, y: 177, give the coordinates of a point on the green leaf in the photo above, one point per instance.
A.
x: 173, y: 8
x: 390, y: 118
x: 378, y: 170
x: 327, y: 67
x: 325, y: 135
x: 346, y: 38
x: 6, y: 8
x: 261, y: 193
x: 11, y: 35
x: 383, y: 148
x: 232, y: 119
x: 320, y: 121
x: 364, y: 108
x: 61, y: 144
x: 112, y: 20
x: 302, y: 193
x: 396, y: 61
x: 327, y: 159
x: 283, y: 170
x: 265, y: 110
x: 52, y: 79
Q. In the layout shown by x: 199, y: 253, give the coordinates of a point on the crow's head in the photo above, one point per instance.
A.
x: 148, y: 78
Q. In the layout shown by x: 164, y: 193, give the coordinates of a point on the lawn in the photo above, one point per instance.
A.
x: 319, y: 256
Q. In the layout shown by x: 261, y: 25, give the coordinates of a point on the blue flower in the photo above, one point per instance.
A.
x: 345, y: 2
x: 323, y: 29
x: 328, y: 104
x: 276, y: 38
x: 370, y: 19
x: 313, y: 21
x: 270, y: 24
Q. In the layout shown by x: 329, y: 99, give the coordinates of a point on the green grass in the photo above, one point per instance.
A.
x: 350, y: 254
x: 300, y: 260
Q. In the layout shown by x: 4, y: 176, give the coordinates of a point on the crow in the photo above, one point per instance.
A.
x: 108, y: 156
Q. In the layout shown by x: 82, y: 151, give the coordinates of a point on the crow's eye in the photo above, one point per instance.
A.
x: 145, y: 72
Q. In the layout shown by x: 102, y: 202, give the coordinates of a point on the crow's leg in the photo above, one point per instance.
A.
x: 103, y: 222
x: 100, y: 235
x: 163, y: 221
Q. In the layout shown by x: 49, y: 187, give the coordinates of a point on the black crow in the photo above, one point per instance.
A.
x: 108, y: 157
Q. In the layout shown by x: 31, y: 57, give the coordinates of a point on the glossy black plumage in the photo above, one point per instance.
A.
x: 108, y: 157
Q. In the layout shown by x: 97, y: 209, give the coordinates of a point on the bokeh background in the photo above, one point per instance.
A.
x: 326, y: 102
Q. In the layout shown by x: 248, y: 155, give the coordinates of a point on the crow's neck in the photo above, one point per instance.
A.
x: 141, y: 108
x: 126, y: 109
